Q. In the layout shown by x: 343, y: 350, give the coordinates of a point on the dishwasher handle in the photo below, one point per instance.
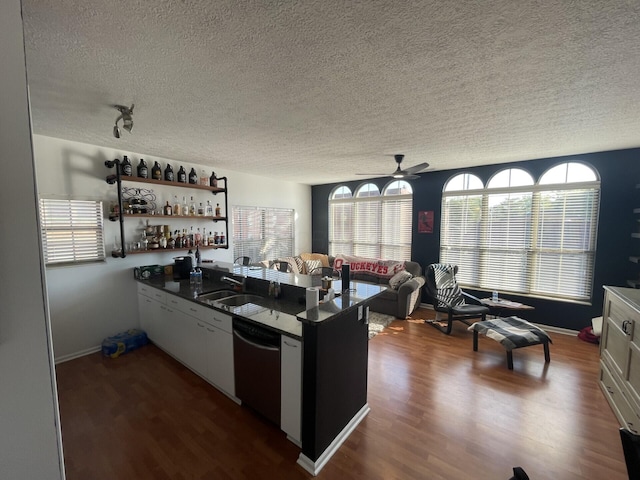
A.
x: 255, y: 343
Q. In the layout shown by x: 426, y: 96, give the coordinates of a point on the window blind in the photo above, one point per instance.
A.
x: 262, y: 233
x: 537, y: 240
x: 72, y: 231
x: 371, y: 225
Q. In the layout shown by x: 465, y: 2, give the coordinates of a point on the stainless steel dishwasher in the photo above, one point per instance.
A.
x: 256, y: 355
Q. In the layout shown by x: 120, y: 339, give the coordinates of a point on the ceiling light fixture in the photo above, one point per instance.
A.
x: 126, y: 115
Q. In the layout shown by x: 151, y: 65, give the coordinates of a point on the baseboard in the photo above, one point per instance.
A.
x: 81, y: 353
x: 314, y: 467
x: 562, y: 331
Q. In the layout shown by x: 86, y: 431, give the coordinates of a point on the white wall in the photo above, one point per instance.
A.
x: 30, y: 444
x: 91, y: 302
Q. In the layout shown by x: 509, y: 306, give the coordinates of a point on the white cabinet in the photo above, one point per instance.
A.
x: 219, y: 352
x: 150, y: 303
x: 291, y: 387
x: 620, y: 354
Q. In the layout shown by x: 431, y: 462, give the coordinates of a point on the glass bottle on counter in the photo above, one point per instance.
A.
x: 143, y: 170
x: 156, y: 171
x: 182, y: 175
x: 193, y: 176
x: 177, y: 209
x: 167, y: 209
x: 125, y: 167
x: 168, y: 173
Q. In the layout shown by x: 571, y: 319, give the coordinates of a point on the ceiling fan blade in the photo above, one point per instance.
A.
x: 374, y: 174
x: 417, y: 168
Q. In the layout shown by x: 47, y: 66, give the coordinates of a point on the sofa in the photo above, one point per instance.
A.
x: 403, y: 295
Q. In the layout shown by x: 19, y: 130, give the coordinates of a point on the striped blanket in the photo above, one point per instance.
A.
x: 511, y: 332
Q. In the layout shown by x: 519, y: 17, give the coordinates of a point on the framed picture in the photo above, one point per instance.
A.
x: 425, y: 221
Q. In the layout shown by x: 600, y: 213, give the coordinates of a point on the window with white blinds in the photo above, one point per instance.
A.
x: 262, y: 233
x: 372, y: 224
x: 520, y: 237
x: 71, y: 231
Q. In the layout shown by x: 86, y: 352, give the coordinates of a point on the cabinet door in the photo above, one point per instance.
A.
x: 291, y: 387
x: 220, y: 370
x: 615, y: 347
x: 149, y: 312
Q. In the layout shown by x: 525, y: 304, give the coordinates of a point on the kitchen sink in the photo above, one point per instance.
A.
x: 242, y: 299
x: 217, y: 295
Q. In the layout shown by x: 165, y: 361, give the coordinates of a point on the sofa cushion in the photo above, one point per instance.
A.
x: 316, y: 256
x: 399, y: 278
x: 311, y: 265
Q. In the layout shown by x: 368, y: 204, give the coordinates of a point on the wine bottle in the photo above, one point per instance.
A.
x: 213, y: 180
x: 185, y: 207
x: 125, y: 167
x: 143, y: 171
x: 182, y: 175
x: 193, y: 176
x: 156, y: 172
x: 168, y: 173
x: 177, y: 209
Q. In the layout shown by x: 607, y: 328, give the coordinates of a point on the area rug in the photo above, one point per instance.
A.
x: 378, y: 322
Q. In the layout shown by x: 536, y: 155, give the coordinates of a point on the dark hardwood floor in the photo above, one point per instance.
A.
x: 438, y: 411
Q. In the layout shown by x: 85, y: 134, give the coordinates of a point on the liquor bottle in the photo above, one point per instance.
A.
x: 193, y: 176
x: 185, y: 207
x: 178, y: 239
x: 222, y: 239
x: 212, y: 240
x: 216, y: 238
x: 192, y: 237
x: 198, y: 240
x: 208, y: 209
x: 217, y: 209
x: 182, y: 175
x: 186, y: 241
x: 204, y: 180
x: 167, y: 208
x: 192, y: 208
x: 177, y: 209
x: 198, y: 257
x: 213, y: 180
x: 171, y: 242
x: 125, y: 167
x: 200, y: 210
x: 168, y: 173
x: 156, y: 172
x: 205, y: 239
x: 143, y: 171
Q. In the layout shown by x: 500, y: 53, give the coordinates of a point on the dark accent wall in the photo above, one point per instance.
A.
x: 619, y: 173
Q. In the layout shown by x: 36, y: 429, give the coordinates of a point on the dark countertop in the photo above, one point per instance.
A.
x: 284, y: 314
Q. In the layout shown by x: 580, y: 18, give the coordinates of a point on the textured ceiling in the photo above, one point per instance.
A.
x: 316, y: 91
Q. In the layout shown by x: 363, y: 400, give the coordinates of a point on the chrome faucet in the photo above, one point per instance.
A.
x: 237, y: 283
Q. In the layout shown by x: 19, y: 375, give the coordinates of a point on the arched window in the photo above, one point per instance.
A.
x: 521, y: 237
x: 371, y: 224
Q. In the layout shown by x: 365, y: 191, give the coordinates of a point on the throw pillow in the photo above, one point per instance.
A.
x: 399, y: 278
x: 311, y: 265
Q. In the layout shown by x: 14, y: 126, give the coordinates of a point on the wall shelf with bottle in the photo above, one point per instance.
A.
x: 133, y: 204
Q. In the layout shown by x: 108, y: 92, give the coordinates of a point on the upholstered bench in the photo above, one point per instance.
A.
x: 511, y: 333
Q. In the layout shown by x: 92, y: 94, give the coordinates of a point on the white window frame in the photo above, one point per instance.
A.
x: 562, y: 268
x: 72, y: 231
x: 371, y: 225
x: 260, y: 233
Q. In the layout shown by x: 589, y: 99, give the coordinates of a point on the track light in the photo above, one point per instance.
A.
x: 126, y: 115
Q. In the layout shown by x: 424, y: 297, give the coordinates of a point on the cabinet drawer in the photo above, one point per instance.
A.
x: 616, y: 398
x: 622, y: 316
x: 152, y: 292
x: 220, y: 320
x: 633, y: 378
x: 190, y: 308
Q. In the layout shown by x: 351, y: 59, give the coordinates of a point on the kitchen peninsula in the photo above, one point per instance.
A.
x: 323, y: 351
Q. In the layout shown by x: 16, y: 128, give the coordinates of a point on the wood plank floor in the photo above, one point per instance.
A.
x: 438, y: 411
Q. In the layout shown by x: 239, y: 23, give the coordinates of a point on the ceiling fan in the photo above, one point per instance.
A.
x: 407, y: 174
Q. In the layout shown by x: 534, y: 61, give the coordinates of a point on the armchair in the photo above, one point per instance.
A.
x: 447, y: 297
